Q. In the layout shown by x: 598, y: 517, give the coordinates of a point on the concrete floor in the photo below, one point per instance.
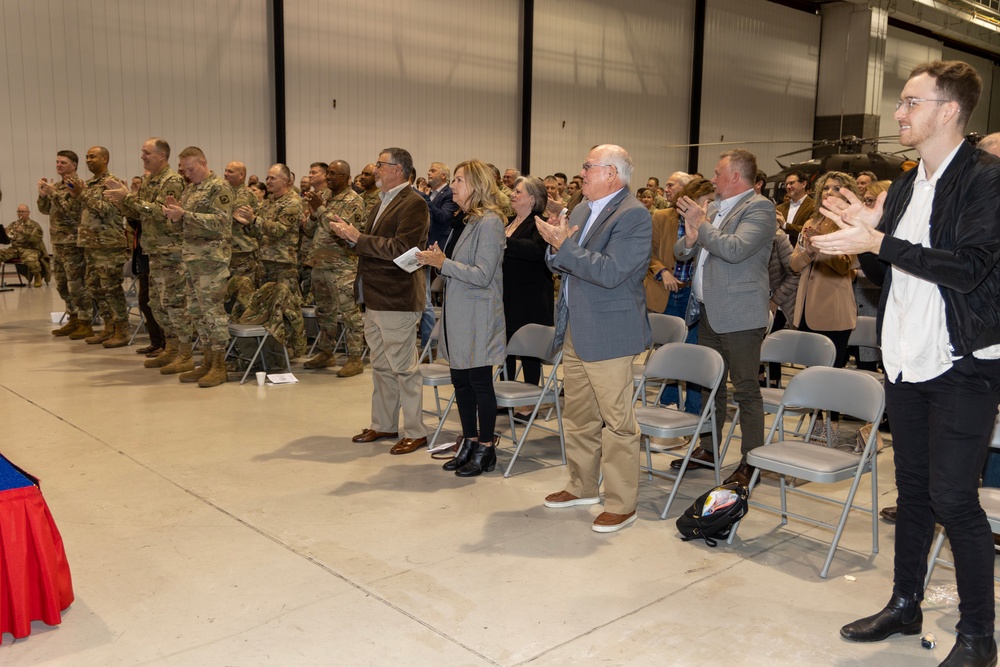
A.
x: 240, y: 526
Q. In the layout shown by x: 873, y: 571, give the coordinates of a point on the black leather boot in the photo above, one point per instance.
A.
x: 462, y: 457
x: 972, y: 652
x: 901, y: 616
x: 483, y: 459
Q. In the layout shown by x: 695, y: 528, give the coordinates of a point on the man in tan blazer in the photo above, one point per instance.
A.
x: 393, y: 300
x: 799, y: 207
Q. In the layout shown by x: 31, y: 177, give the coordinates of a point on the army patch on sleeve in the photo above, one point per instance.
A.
x: 224, y: 199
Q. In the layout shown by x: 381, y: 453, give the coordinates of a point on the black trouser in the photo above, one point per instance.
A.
x: 531, y: 368
x: 155, y: 332
x: 839, y: 340
x: 474, y: 393
x: 941, y: 431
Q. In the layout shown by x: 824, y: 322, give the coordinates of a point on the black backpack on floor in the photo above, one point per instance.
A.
x: 693, y: 525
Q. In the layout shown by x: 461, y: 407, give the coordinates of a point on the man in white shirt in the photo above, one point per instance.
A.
x: 933, y: 242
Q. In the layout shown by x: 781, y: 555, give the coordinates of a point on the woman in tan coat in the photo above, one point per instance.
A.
x: 825, y: 302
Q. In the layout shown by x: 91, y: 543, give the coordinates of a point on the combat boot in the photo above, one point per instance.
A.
x: 321, y: 360
x: 38, y: 280
x: 199, y: 371
x: 71, y: 324
x: 182, y: 362
x: 119, y: 337
x: 218, y: 374
x: 168, y: 355
x: 102, y: 335
x: 351, y: 368
x: 83, y: 331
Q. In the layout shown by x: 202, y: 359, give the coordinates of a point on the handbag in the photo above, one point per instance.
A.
x: 713, y: 513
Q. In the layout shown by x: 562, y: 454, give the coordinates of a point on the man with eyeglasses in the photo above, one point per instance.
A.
x: 393, y: 300
x: 792, y: 214
x: 602, y: 253
x: 933, y: 242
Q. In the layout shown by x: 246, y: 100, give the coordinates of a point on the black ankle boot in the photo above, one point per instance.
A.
x: 901, y: 615
x: 462, y: 457
x: 972, y: 652
x: 483, y: 459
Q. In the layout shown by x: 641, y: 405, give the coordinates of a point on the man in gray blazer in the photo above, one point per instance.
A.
x: 601, y: 253
x: 730, y: 241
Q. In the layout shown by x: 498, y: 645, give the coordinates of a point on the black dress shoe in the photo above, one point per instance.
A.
x: 901, y: 616
x: 483, y: 459
x: 462, y: 457
x: 741, y: 475
x: 972, y: 652
x: 699, y: 456
x: 888, y: 513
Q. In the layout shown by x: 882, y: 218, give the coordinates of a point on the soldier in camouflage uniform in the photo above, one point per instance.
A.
x: 205, y: 213
x: 335, y: 267
x: 371, y: 192
x: 317, y: 186
x: 102, y: 238
x: 276, y: 227
x: 68, y: 267
x: 161, y: 240
x: 27, y: 245
x: 244, y: 261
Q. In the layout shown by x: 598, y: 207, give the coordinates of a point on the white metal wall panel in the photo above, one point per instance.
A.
x: 903, y: 51
x: 611, y: 72
x: 114, y: 73
x: 438, y: 80
x: 761, y: 68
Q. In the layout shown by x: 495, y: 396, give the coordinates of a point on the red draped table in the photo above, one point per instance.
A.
x: 35, y: 583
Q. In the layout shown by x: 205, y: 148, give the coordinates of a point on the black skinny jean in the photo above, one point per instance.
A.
x: 941, y: 430
x: 474, y: 394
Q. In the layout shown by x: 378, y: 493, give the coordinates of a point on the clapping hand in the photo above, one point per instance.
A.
x: 857, y: 225
x: 556, y: 232
x: 431, y: 257
x: 173, y: 209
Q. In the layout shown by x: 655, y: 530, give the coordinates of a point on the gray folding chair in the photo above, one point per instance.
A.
x: 312, y: 327
x: 819, y: 388
x: 531, y: 340
x: 238, y: 332
x: 132, y: 297
x: 864, y: 336
x: 665, y: 329
x: 989, y: 498
x: 789, y: 346
x: 689, y: 363
x: 435, y: 374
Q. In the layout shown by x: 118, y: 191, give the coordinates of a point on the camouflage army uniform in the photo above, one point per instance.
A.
x: 161, y: 240
x: 68, y: 264
x: 102, y: 238
x: 27, y: 244
x: 372, y: 200
x: 208, y: 231
x: 305, y: 245
x: 275, y: 308
x: 334, y: 269
x: 277, y: 229
x: 244, y: 261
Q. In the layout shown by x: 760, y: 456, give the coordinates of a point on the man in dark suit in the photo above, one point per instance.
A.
x: 792, y: 214
x: 393, y: 300
x: 442, y: 210
x: 602, y: 253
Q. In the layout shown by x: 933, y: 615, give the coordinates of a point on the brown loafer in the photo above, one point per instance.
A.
x: 407, y: 445
x: 369, y: 435
x: 609, y: 522
x: 888, y: 513
x: 742, y: 474
x: 699, y: 456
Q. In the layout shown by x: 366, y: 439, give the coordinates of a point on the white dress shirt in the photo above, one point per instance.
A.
x: 723, y: 208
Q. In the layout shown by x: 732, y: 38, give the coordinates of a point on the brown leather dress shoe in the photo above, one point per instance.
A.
x: 608, y: 522
x: 369, y: 435
x: 742, y: 474
x: 699, y: 456
x: 407, y: 445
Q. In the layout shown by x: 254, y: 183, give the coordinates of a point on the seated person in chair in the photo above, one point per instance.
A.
x: 26, y: 245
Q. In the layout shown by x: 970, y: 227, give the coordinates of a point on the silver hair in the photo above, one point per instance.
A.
x: 618, y: 158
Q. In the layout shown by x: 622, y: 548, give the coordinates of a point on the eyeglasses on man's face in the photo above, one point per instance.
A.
x: 911, y: 102
x: 588, y: 166
x: 379, y: 164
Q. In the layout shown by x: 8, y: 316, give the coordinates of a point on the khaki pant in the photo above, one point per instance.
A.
x: 392, y: 337
x: 600, y: 392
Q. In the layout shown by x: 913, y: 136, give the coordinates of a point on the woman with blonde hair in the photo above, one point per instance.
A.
x: 472, y: 321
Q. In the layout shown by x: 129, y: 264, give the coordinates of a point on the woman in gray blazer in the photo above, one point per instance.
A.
x: 472, y: 330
